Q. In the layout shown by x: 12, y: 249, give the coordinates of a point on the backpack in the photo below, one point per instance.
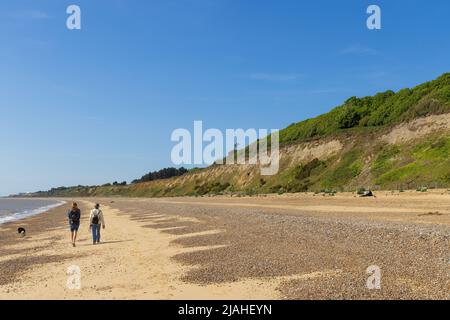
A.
x: 95, y: 218
x: 74, y: 219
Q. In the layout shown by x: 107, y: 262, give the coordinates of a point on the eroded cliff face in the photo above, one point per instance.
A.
x: 405, y: 156
x: 342, y: 162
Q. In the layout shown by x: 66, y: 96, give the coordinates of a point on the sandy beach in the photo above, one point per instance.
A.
x: 268, y: 247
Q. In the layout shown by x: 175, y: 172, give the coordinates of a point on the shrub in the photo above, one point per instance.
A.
x: 349, y: 119
x: 422, y: 189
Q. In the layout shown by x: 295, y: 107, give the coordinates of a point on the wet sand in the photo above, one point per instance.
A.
x: 273, y: 247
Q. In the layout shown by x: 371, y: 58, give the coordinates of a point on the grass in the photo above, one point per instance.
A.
x: 349, y: 166
x: 428, y: 161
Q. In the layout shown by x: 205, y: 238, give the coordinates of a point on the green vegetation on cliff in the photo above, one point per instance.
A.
x: 383, y: 109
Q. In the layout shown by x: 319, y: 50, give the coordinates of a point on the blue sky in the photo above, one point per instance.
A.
x: 99, y: 104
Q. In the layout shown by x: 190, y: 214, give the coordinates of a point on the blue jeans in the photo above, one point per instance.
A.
x: 96, y: 232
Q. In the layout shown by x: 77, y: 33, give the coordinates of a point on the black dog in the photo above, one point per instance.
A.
x: 22, y: 232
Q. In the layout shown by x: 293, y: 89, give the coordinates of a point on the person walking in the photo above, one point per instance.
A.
x: 97, y: 221
x: 74, y: 216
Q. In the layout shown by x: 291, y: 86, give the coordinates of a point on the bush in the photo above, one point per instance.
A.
x: 165, y: 173
x: 349, y: 119
x: 211, y: 188
x: 304, y: 171
x: 422, y: 189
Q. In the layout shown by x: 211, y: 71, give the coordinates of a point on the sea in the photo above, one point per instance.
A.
x: 12, y: 209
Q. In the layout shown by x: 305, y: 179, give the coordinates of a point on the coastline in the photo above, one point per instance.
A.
x: 17, y: 216
x: 278, y: 247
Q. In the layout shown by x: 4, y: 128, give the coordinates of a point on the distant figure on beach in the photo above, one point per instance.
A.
x: 97, y: 222
x: 74, y: 216
x: 367, y: 194
x: 21, y: 231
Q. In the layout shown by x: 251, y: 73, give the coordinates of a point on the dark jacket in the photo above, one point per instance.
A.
x: 74, y: 216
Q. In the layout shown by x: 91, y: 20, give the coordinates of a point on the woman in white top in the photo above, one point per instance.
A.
x: 96, y: 222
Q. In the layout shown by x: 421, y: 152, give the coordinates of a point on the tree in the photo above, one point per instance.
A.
x: 349, y: 119
x: 165, y: 173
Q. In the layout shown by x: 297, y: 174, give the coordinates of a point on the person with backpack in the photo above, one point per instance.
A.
x: 74, y: 216
x: 96, y: 222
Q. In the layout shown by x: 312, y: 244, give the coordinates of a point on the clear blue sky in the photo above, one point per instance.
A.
x: 99, y: 104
